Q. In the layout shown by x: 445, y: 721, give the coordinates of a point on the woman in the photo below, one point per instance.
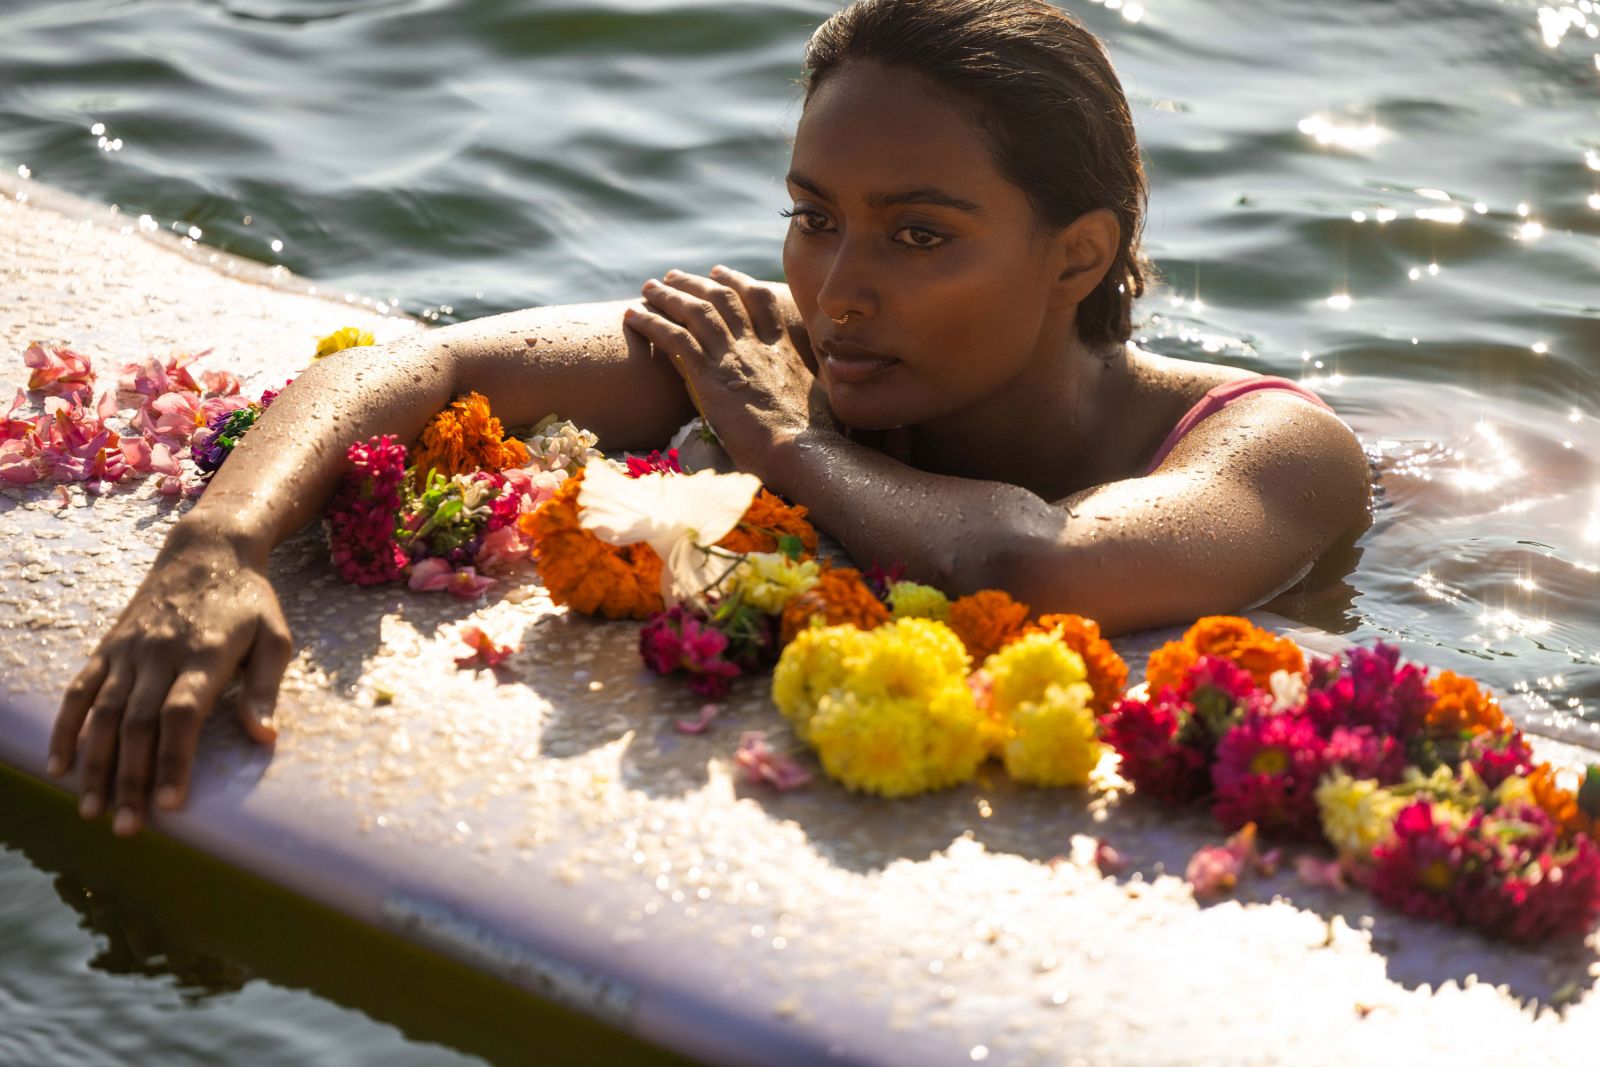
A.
x: 945, y: 381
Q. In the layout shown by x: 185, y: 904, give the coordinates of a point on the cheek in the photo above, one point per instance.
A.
x: 800, y: 273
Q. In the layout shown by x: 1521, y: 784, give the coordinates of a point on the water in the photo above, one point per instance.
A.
x: 1398, y: 200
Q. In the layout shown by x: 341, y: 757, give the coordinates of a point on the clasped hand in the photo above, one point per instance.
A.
x: 742, y: 354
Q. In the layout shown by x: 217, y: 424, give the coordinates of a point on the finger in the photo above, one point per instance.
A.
x: 189, y: 701
x: 666, y: 336
x: 761, y: 304
x: 263, y: 673
x: 699, y: 317
x: 74, y: 709
x: 727, y: 302
x: 136, y: 743
x: 100, y: 739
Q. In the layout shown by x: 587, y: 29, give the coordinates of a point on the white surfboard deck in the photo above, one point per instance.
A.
x: 552, y: 827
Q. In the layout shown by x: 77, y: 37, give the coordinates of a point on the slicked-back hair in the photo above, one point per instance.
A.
x: 1047, y: 100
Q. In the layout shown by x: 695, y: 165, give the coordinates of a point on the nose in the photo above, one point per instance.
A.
x: 848, y: 288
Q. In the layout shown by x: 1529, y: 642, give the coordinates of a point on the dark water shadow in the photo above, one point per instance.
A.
x: 165, y: 910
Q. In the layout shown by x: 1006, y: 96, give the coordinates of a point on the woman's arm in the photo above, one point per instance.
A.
x: 1217, y: 529
x: 206, y: 612
x: 1246, y: 501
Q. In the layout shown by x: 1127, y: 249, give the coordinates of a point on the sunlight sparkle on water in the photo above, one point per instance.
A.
x: 1450, y: 216
x: 1329, y: 133
x: 1340, y: 301
x: 1531, y: 231
x: 1497, y: 466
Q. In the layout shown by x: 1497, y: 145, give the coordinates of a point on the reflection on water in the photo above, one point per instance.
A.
x: 1397, y: 202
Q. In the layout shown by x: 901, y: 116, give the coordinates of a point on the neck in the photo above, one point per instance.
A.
x: 1040, y: 432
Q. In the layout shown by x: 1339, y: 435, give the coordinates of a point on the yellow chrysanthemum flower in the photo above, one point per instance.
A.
x: 769, y: 580
x: 888, y: 709
x: 1357, y: 813
x: 1026, y: 667
x: 341, y: 339
x: 1052, y: 740
x: 897, y: 746
x: 812, y: 666
x: 1041, y: 711
x: 910, y: 600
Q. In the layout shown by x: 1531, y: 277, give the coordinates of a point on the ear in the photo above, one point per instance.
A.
x: 1082, y: 253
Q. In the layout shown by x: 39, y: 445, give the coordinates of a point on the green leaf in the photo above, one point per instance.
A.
x: 791, y: 546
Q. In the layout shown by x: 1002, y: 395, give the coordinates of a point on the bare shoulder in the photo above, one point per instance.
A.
x: 1301, y: 462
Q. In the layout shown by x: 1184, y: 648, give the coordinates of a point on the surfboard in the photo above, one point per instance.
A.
x: 549, y: 825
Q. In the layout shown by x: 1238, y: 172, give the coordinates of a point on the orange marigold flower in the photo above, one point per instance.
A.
x: 840, y: 596
x: 1108, y: 674
x: 986, y: 620
x: 767, y: 521
x: 584, y: 572
x: 1228, y: 637
x: 463, y: 438
x: 1460, y: 707
x: 1560, y: 804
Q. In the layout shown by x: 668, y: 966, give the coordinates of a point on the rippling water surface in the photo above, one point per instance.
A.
x: 1398, y: 200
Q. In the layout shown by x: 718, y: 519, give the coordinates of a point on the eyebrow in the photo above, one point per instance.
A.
x: 923, y: 195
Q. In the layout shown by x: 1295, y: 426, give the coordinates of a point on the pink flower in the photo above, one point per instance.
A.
x: 1322, y: 874
x: 155, y: 376
x: 1497, y: 757
x: 220, y: 383
x: 1216, y: 869
x: 12, y: 429
x: 1417, y: 869
x: 1107, y: 859
x: 698, y: 725
x: 19, y: 464
x: 173, y: 416
x: 59, y: 372
x: 761, y: 763
x: 1266, y: 773
x: 502, y: 548
x: 434, y: 574
x: 485, y: 653
x: 679, y: 639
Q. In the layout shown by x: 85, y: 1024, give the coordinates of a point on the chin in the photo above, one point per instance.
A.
x: 864, y: 412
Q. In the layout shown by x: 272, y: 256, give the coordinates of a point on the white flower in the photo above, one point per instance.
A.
x: 678, y: 515
x: 1288, y: 690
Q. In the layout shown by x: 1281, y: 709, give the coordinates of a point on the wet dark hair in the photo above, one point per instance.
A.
x: 1047, y: 100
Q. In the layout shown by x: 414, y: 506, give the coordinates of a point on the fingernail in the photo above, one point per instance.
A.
x: 53, y: 767
x: 652, y: 284
x: 126, y: 822
x: 89, y: 806
x: 167, y: 797
x: 719, y: 269
x: 674, y: 273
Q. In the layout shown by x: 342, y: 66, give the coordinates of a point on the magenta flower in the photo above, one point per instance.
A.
x: 1266, y: 772
x: 1145, y: 735
x: 760, y: 762
x: 155, y: 376
x: 679, y: 639
x: 1369, y: 687
x: 361, y: 519
x: 1496, y: 757
x: 654, y: 463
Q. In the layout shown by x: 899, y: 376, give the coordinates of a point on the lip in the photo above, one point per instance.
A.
x: 853, y: 364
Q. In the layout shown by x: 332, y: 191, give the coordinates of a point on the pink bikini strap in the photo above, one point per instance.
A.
x: 1221, y: 397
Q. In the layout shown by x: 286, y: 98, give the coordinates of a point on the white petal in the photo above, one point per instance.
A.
x: 689, y: 570
x: 623, y: 510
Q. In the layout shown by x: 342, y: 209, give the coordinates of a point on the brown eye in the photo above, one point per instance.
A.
x: 806, y: 221
x: 920, y: 238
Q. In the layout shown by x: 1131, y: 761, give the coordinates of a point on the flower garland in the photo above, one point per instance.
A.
x: 1425, y: 791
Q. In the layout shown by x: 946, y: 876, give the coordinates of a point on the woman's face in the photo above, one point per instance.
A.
x: 902, y: 222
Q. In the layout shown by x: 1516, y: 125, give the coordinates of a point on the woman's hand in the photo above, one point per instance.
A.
x: 203, y: 613
x: 742, y: 354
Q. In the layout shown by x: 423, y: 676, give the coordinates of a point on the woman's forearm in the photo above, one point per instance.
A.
x: 575, y: 361
x: 950, y: 532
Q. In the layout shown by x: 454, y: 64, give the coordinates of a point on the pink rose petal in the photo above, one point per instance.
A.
x: 698, y: 725
x: 761, y: 763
